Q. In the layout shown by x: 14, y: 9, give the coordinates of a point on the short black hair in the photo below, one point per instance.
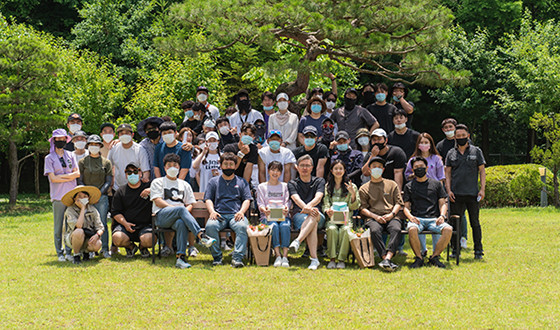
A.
x: 268, y: 95
x: 222, y: 119
x: 275, y: 165
x: 462, y: 126
x: 327, y: 94
x: 449, y: 121
x: 167, y: 125
x: 381, y: 87
x: 249, y: 126
x: 399, y: 112
x: 187, y: 105
x: 198, y: 107
x: 228, y: 156
x: 418, y: 159
x: 171, y: 158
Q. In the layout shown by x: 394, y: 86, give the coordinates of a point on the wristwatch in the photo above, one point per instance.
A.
x: 240, y: 154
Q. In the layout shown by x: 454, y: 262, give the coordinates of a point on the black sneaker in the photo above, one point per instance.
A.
x: 424, y: 253
x: 217, y: 262
x: 478, y: 255
x: 434, y: 261
x: 306, y: 252
x: 386, y: 264
x: 85, y: 256
x: 145, y: 253
x: 453, y: 254
x: 77, y: 260
x: 130, y: 252
x: 237, y: 264
x: 418, y: 262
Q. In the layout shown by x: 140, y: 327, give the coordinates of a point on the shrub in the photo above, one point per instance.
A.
x: 515, y: 185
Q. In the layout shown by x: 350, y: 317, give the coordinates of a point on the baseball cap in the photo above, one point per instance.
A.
x: 310, y: 129
x: 123, y: 127
x: 379, y: 132
x: 342, y: 135
x: 282, y: 96
x: 212, y: 134
x: 74, y: 116
x: 274, y: 132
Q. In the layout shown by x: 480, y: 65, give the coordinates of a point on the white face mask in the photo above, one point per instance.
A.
x: 213, y: 145
x: 80, y: 144
x: 363, y: 141
x: 172, y: 172
x: 94, y: 150
x: 84, y: 201
x: 376, y: 172
x: 224, y: 130
x: 125, y: 138
x: 202, y: 97
x: 400, y: 126
x: 330, y: 104
x: 108, y: 137
x: 75, y: 127
x: 450, y: 134
x: 282, y: 105
x: 168, y: 138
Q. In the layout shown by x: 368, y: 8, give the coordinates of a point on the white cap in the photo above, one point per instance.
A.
x: 212, y: 134
x: 209, y: 123
x: 379, y: 132
x: 282, y: 96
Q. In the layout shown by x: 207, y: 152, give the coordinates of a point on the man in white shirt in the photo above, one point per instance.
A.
x: 126, y: 152
x: 244, y: 114
x: 202, y: 97
x: 274, y: 151
x: 173, y: 199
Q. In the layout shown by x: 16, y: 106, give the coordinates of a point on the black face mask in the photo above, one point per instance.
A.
x: 60, y: 144
x: 152, y: 135
x: 462, y: 142
x: 380, y: 145
x: 228, y: 171
x: 261, y: 131
x: 369, y: 98
x: 244, y: 105
x: 420, y: 172
x: 349, y: 104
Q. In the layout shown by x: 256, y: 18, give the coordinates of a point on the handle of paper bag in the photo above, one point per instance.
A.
x: 362, y: 250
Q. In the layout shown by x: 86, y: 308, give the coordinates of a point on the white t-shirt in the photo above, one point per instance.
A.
x: 206, y: 173
x: 175, y: 192
x: 120, y: 157
x: 285, y: 156
x: 214, y: 111
x: 78, y: 157
x: 238, y: 120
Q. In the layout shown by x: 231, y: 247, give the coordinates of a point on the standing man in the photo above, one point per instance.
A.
x: 399, y: 93
x: 402, y: 136
x: 246, y: 151
x: 74, y: 124
x: 382, y: 110
x: 352, y: 117
x: 202, y: 97
x: 170, y: 145
x: 275, y: 152
x: 448, y: 128
x: 149, y: 129
x: 464, y: 164
x: 244, y: 114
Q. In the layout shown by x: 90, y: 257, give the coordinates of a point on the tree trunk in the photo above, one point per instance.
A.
x: 14, y: 167
x: 36, y: 159
x: 555, y: 180
x: 530, y: 143
x: 486, y: 138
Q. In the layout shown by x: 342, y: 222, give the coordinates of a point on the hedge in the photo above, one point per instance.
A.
x: 516, y: 185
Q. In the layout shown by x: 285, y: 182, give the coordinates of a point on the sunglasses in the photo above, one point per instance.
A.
x: 129, y: 172
x: 274, y: 132
x: 328, y: 126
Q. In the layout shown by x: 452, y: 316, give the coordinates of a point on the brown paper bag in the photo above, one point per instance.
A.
x: 363, y: 250
x: 260, y: 242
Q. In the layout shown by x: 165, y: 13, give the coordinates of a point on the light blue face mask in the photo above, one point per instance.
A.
x: 316, y: 108
x: 396, y: 98
x: 342, y: 147
x: 274, y: 145
x: 363, y: 141
x: 246, y: 139
x: 133, y: 178
x: 268, y: 108
x: 189, y: 114
x: 380, y: 97
x: 309, y: 142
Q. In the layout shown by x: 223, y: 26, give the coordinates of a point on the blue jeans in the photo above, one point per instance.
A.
x: 213, y: 228
x: 299, y: 219
x: 281, y: 232
x: 181, y: 221
x: 58, y: 217
x: 103, y: 208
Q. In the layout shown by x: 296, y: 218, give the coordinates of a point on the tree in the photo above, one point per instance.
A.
x: 393, y: 39
x: 549, y: 154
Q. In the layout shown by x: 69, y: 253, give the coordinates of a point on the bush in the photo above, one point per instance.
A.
x: 515, y: 185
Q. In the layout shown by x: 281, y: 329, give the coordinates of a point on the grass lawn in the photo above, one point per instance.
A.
x: 517, y: 285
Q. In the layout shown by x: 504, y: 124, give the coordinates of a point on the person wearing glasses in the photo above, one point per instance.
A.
x: 62, y: 170
x: 275, y: 151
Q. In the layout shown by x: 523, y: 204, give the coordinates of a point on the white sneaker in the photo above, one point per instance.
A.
x: 340, y: 265
x: 106, y: 254
x: 69, y: 258
x: 294, y: 245
x: 331, y: 265
x: 193, y: 251
x: 463, y: 243
x: 62, y: 259
x: 182, y: 264
x: 314, y: 264
x: 285, y: 262
x: 278, y: 262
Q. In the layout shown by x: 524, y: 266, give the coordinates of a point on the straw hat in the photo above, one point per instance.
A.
x: 93, y: 192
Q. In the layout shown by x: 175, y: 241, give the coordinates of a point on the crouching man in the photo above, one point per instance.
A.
x: 132, y: 211
x: 82, y: 221
x: 173, y: 199
x: 425, y: 207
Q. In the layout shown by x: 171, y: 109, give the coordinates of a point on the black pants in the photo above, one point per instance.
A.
x: 393, y: 228
x: 471, y: 205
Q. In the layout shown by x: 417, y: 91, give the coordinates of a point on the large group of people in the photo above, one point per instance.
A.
x: 309, y: 161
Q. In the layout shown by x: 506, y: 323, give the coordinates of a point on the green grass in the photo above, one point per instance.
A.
x: 517, y: 285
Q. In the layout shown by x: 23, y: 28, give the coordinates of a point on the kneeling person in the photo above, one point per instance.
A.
x: 132, y: 211
x: 425, y: 206
x: 82, y: 221
x: 173, y: 199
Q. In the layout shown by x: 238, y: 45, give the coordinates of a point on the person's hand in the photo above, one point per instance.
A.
x: 415, y: 220
x: 387, y: 217
x: 239, y: 216
x: 214, y: 216
x: 374, y: 152
x: 481, y: 195
x: 329, y: 212
x: 410, y: 177
x: 267, y: 211
x: 145, y: 193
x: 314, y: 212
x: 380, y: 219
x: 440, y: 220
x: 333, y: 145
x: 451, y: 196
x: 114, y: 143
x: 129, y: 227
x: 350, y: 188
x: 306, y: 210
x: 283, y: 144
x: 80, y: 205
x: 94, y: 238
x: 259, y: 146
x: 245, y: 149
x: 145, y: 178
x: 187, y: 146
x: 233, y: 130
x: 286, y: 211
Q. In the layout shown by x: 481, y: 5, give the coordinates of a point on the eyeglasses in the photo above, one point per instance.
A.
x: 305, y: 166
x: 129, y: 172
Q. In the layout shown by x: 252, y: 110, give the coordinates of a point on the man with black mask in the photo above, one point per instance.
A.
x: 149, y: 128
x: 352, y: 117
x: 368, y: 95
x: 244, y: 114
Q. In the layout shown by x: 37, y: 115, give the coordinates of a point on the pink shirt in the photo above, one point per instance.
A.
x: 279, y: 192
x: 53, y: 164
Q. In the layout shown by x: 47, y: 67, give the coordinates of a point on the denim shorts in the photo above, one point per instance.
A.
x: 428, y: 224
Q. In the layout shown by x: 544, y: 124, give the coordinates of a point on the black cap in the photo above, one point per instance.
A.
x: 351, y: 90
x: 74, y: 116
x: 377, y: 160
x: 79, y: 133
x: 310, y: 129
x: 107, y: 125
x: 124, y: 127
x: 94, y: 138
x: 202, y: 89
x: 342, y: 135
x: 142, y: 125
x: 242, y: 92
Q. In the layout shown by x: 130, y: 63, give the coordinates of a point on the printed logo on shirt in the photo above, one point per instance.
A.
x: 173, y: 194
x: 275, y: 194
x: 389, y: 162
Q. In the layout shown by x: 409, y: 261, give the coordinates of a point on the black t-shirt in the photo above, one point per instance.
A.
x: 394, y: 159
x: 410, y: 116
x: 407, y: 141
x: 306, y: 191
x: 444, y: 146
x: 251, y: 157
x: 424, y: 197
x: 195, y: 125
x: 384, y: 115
x: 135, y: 209
x: 320, y: 151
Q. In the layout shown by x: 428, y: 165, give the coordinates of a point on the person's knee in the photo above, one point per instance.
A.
x: 146, y: 240
x: 332, y: 229
x: 78, y: 233
x: 119, y: 238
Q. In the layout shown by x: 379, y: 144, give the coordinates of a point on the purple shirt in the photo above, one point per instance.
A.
x: 435, y: 168
x: 54, y: 165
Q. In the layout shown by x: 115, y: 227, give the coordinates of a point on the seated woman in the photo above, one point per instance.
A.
x: 82, y: 221
x: 275, y: 193
x: 339, y: 189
